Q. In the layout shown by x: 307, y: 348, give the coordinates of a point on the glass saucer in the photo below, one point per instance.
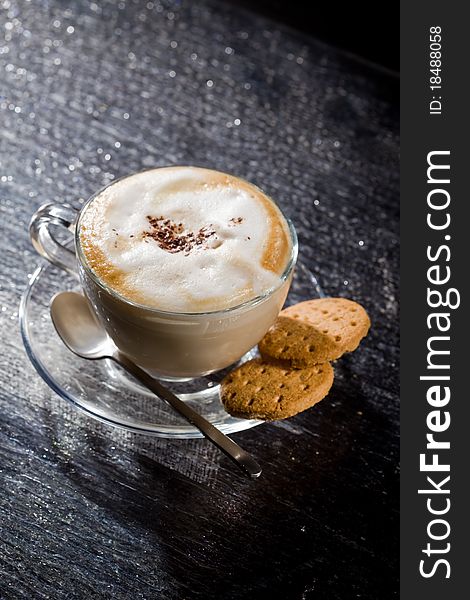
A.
x: 102, y: 389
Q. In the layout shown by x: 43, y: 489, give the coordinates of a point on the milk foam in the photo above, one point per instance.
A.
x: 242, y: 252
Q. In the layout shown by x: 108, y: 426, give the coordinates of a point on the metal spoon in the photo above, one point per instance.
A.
x: 81, y: 332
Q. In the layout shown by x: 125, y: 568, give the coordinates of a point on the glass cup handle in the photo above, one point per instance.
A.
x: 44, y: 241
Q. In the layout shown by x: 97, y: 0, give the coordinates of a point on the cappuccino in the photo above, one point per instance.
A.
x: 185, y: 239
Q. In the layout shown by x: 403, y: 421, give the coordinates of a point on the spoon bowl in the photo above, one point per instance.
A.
x: 79, y: 328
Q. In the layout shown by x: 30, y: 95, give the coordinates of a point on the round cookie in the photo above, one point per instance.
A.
x: 259, y: 390
x: 342, y: 322
x: 297, y: 344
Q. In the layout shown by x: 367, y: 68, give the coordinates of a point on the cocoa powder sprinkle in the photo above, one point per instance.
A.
x: 172, y: 237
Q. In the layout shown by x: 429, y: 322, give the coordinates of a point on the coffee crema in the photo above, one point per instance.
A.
x: 185, y: 239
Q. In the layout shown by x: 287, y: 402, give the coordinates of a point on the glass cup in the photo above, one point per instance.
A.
x: 168, y: 345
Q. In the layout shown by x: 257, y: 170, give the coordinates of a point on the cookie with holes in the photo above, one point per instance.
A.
x: 316, y: 331
x: 297, y: 344
x: 261, y: 390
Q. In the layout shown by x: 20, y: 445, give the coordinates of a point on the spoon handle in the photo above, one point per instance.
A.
x: 242, y: 459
